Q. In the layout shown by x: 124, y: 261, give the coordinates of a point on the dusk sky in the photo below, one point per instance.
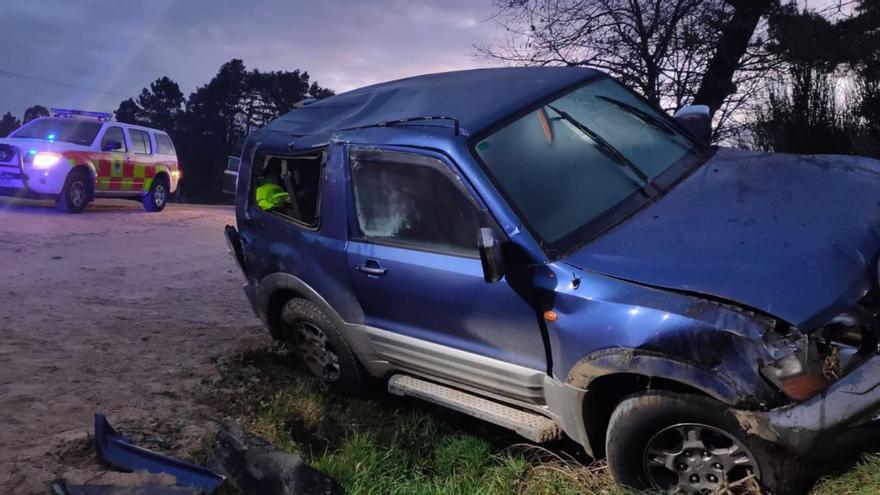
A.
x: 121, y: 46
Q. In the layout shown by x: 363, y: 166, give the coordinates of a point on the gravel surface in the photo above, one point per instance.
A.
x: 113, y: 310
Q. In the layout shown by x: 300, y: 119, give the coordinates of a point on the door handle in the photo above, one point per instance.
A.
x: 371, y: 267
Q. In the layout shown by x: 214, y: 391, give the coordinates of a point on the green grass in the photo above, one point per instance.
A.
x: 390, y: 445
x: 863, y: 479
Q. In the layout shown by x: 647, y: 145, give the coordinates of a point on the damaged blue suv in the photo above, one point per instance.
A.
x: 544, y: 250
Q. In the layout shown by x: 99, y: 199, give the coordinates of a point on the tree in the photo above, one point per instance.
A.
x: 672, y: 51
x: 220, y: 114
x: 157, y: 106
x: 128, y: 112
x: 718, y: 82
x: 806, y: 114
x: 8, y: 123
x: 35, y: 112
x: 161, y: 104
x: 213, y: 122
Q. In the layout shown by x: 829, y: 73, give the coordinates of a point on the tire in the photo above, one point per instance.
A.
x: 157, y: 197
x: 659, y: 422
x: 76, y: 192
x: 316, y: 339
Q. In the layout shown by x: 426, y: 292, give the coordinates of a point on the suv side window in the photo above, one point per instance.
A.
x: 140, y: 142
x: 164, y: 146
x: 289, y: 186
x: 413, y: 201
x: 113, y: 134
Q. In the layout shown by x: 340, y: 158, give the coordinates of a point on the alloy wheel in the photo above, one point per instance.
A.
x: 77, y: 193
x: 316, y: 352
x: 698, y: 459
x: 159, y: 195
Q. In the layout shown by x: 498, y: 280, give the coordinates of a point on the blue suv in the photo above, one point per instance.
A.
x: 543, y: 249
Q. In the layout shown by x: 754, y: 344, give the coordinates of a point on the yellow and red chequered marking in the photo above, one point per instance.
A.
x: 112, y: 173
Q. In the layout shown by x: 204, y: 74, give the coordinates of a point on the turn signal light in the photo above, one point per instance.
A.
x: 802, y: 387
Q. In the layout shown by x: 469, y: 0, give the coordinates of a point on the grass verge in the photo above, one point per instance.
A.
x: 392, y: 445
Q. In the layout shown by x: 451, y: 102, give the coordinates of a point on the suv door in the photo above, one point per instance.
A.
x: 110, y: 165
x: 139, y: 163
x: 413, y: 260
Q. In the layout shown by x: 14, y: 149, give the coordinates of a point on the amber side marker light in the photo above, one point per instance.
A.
x: 550, y: 316
x: 802, y: 387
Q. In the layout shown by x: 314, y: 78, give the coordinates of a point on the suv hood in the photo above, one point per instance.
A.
x: 25, y: 144
x: 794, y: 236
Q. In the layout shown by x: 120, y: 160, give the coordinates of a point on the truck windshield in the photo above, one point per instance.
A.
x: 74, y: 131
x: 584, y: 161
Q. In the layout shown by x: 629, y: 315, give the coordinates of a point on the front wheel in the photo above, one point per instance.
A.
x: 75, y: 195
x: 690, y: 444
x: 157, y: 196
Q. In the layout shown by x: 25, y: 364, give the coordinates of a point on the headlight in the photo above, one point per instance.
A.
x: 800, y: 375
x: 814, y: 361
x: 46, y: 160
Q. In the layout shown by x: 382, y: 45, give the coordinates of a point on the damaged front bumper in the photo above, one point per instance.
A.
x: 853, y: 402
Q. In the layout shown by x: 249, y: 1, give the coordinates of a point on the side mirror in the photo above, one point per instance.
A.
x: 490, y: 255
x: 696, y: 119
x: 111, y: 146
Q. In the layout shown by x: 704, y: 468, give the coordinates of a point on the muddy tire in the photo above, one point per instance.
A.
x: 314, y: 337
x: 663, y: 441
x: 157, y: 197
x: 76, y: 192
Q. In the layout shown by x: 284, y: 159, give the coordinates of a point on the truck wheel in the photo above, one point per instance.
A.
x: 157, y: 196
x: 311, y: 334
x: 691, y: 444
x: 75, y: 195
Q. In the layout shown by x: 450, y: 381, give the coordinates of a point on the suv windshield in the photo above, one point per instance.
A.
x: 584, y: 161
x: 74, y: 131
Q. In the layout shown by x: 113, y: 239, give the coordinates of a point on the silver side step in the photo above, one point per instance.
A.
x: 530, y: 425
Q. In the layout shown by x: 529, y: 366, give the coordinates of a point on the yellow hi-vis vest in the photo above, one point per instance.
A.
x: 271, y: 196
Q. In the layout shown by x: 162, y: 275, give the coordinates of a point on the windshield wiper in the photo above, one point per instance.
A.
x: 605, y: 147
x: 642, y: 115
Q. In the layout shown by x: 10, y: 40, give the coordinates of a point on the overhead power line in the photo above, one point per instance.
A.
x: 59, y: 83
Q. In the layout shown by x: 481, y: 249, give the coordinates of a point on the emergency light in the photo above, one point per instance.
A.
x: 64, y: 112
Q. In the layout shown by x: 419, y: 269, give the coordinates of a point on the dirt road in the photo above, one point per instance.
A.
x: 113, y: 310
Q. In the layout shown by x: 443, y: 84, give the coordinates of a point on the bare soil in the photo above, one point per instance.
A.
x: 117, y: 311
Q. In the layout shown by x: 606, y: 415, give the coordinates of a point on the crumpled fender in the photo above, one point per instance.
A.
x: 607, y: 326
x: 654, y: 365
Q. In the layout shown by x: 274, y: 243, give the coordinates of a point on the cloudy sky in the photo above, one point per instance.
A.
x: 119, y: 46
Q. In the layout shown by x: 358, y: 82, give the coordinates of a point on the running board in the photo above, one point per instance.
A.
x: 533, y: 426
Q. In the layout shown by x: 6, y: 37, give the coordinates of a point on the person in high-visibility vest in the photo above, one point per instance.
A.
x: 271, y: 196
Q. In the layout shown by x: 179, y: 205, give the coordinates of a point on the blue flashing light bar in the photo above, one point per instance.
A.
x: 64, y: 112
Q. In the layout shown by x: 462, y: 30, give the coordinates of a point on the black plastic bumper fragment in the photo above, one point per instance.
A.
x: 118, y: 451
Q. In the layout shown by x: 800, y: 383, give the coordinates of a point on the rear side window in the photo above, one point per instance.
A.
x: 289, y: 186
x: 164, y: 146
x: 140, y: 142
x: 413, y: 201
x: 112, y: 138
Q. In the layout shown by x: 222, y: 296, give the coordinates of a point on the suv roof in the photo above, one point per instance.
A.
x: 475, y: 98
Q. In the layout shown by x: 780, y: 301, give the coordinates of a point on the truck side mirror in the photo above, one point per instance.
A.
x: 697, y: 120
x: 490, y: 255
x: 111, y: 146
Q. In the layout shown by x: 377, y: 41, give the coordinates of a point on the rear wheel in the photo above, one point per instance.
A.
x: 157, y: 196
x: 313, y: 335
x: 690, y: 444
x: 75, y: 195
